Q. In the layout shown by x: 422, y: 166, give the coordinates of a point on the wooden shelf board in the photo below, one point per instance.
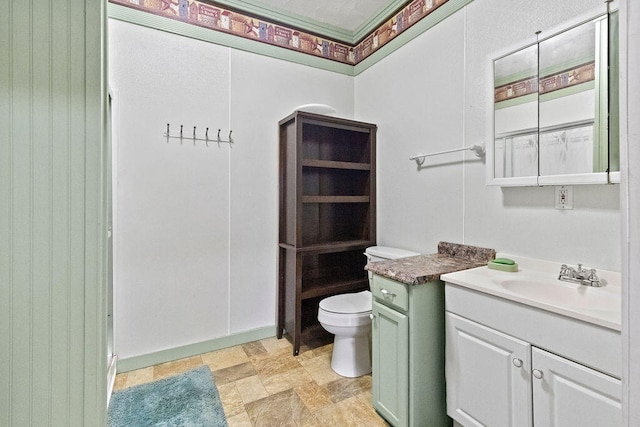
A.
x: 327, y: 247
x: 330, y: 164
x: 322, y: 288
x: 335, y: 199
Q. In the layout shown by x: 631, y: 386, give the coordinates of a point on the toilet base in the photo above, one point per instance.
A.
x: 351, y: 356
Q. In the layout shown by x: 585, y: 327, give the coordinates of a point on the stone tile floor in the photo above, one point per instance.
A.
x: 262, y: 384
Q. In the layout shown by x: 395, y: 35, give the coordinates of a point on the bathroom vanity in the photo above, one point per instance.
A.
x: 527, y: 349
x: 408, y: 333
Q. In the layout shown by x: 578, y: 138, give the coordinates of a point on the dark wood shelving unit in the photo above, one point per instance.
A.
x: 327, y: 215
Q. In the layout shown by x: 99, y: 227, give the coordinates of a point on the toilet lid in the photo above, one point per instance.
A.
x: 353, y: 303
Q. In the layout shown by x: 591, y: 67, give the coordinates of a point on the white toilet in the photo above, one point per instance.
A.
x: 347, y: 316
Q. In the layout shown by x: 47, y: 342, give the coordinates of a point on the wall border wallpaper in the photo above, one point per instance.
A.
x: 225, y: 19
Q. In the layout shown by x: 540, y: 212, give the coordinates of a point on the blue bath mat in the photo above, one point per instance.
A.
x: 186, y: 400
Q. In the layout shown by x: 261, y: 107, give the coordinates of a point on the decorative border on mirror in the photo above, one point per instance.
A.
x: 216, y: 17
x: 572, y: 77
x: 516, y: 89
x: 576, y: 75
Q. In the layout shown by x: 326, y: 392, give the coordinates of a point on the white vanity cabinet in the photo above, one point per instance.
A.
x: 488, y: 375
x: 569, y: 394
x: 503, y: 366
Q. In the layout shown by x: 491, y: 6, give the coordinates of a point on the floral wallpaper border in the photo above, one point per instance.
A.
x: 213, y: 16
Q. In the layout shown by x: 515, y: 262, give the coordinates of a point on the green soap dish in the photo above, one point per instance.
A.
x: 496, y: 264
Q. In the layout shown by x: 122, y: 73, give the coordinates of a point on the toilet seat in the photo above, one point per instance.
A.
x: 346, y: 304
x: 346, y: 310
x: 347, y: 316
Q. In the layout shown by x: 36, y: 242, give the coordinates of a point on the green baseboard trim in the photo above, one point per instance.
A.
x: 146, y: 360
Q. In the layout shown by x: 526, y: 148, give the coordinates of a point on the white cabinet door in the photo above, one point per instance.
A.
x: 568, y: 394
x: 390, y: 365
x: 488, y: 375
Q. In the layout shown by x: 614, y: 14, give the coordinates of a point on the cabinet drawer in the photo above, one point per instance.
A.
x: 390, y: 292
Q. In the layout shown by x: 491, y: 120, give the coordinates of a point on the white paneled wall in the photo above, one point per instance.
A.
x: 431, y: 95
x: 415, y: 96
x: 172, y: 198
x: 263, y: 91
x: 197, y: 226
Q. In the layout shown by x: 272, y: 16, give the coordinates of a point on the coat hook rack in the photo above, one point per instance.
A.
x: 195, y: 137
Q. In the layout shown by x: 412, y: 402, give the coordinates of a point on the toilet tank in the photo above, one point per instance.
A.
x: 381, y: 253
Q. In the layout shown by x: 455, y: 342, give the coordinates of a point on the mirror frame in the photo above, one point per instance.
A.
x: 538, y: 180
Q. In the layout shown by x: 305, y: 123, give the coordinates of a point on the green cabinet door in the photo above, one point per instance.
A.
x: 390, y: 368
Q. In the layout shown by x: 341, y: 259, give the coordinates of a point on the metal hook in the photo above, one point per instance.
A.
x: 194, y: 136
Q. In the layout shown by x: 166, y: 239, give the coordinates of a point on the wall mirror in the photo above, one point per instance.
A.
x: 555, y: 108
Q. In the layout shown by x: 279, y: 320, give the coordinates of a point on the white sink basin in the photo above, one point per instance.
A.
x: 536, y: 284
x: 564, y: 294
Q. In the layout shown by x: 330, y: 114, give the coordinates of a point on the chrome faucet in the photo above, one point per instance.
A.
x: 579, y: 275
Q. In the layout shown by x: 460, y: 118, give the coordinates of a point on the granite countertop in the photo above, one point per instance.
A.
x: 420, y: 269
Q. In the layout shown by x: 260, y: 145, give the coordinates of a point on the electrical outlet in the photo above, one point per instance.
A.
x: 564, y: 197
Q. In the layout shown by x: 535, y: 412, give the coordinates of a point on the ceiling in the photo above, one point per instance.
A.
x: 343, y: 14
